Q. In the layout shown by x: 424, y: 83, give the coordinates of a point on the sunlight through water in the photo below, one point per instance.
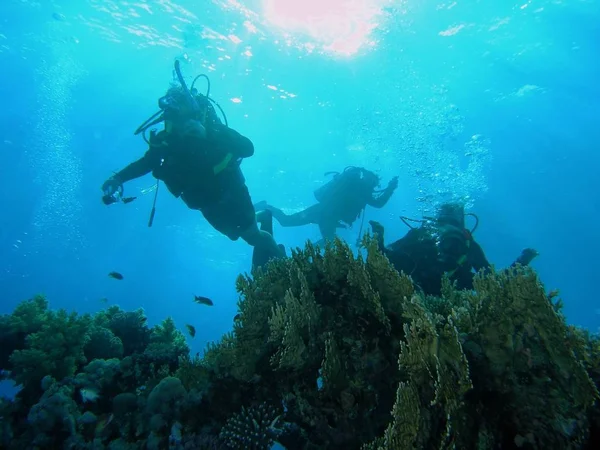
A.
x: 342, y: 27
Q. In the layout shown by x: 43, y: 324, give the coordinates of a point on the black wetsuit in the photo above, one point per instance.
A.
x: 205, y: 173
x: 417, y: 254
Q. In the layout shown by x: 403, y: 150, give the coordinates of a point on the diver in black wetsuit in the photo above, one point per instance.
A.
x: 198, y: 158
x: 340, y: 201
x: 441, y: 245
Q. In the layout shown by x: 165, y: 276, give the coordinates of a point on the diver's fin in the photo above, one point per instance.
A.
x: 261, y: 256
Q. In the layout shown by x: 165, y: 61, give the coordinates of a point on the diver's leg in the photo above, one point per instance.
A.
x: 260, y: 254
x: 327, y: 230
x: 262, y: 241
x: 305, y: 217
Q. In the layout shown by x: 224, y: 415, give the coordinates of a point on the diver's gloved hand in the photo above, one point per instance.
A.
x: 112, y: 185
x: 527, y: 256
x: 393, y: 184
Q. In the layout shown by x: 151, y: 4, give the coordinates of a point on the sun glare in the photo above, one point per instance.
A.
x: 339, y: 26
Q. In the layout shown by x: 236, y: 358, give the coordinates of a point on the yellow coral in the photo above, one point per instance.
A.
x: 332, y: 367
x: 393, y: 288
x: 403, y: 431
x: 293, y: 325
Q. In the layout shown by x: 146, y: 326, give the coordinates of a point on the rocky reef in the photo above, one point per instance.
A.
x: 328, y: 351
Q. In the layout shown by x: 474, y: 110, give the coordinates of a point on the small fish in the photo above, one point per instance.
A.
x: 238, y: 316
x: 203, y: 300
x: 103, y: 300
x: 191, y: 330
x: 116, y: 275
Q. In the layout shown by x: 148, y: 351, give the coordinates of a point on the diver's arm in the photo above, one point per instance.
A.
x: 134, y: 170
x: 381, y: 200
x: 232, y: 141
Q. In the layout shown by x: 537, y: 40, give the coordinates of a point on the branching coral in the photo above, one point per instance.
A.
x: 53, y: 419
x: 129, y: 326
x: 103, y: 344
x: 294, y: 324
x: 520, y: 350
x: 322, y: 319
x: 27, y: 318
x: 56, y: 349
x: 251, y: 429
x: 353, y: 355
x: 166, y: 345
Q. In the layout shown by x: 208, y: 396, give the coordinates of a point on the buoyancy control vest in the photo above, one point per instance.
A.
x: 350, y: 179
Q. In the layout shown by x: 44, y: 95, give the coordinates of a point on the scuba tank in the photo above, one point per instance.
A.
x: 340, y: 182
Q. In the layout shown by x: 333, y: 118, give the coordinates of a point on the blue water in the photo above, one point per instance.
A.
x: 496, y: 103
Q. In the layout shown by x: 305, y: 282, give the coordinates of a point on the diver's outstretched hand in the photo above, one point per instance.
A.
x: 527, y: 255
x: 112, y: 190
x: 393, y: 184
x: 112, y: 185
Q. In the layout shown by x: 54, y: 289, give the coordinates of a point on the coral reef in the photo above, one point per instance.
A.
x: 329, y: 350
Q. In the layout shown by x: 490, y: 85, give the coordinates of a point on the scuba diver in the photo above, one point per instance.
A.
x: 440, y: 245
x: 339, y: 202
x: 198, y: 158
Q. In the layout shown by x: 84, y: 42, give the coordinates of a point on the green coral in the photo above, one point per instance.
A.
x: 98, y: 374
x: 194, y: 375
x: 166, y: 345
x: 27, y: 318
x: 55, y: 349
x: 129, y: 326
x: 103, y: 344
x: 53, y: 420
x: 165, y: 403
